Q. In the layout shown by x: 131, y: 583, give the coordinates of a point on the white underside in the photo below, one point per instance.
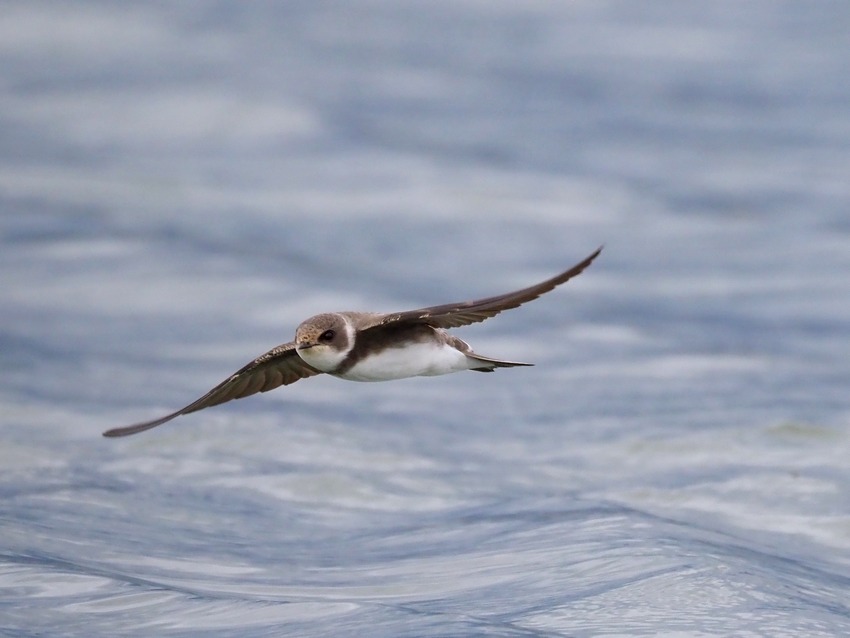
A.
x: 416, y: 360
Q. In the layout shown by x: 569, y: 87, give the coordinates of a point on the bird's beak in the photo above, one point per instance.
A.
x: 304, y: 345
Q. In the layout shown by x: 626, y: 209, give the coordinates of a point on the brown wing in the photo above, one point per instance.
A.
x: 464, y: 313
x: 279, y: 366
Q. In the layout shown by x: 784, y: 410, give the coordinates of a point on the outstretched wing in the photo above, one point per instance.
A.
x: 279, y: 366
x: 463, y: 313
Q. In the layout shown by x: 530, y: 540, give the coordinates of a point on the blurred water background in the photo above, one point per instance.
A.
x: 182, y: 183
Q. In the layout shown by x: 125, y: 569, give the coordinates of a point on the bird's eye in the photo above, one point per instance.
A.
x: 327, y: 335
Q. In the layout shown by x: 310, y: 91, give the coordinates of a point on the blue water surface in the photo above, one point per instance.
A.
x: 182, y: 183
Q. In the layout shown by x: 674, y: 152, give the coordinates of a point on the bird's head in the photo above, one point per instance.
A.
x: 324, y: 341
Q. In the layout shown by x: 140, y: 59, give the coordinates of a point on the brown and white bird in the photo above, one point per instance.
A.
x: 368, y: 346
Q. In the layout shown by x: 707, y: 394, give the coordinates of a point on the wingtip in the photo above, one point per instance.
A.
x: 127, y: 430
x: 590, y: 258
x: 114, y: 433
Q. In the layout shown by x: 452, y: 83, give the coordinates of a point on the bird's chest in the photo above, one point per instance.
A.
x: 412, y: 360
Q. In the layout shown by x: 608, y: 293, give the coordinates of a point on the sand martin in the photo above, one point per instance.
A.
x: 368, y: 346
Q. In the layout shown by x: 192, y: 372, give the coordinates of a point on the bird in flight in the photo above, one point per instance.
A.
x: 368, y: 346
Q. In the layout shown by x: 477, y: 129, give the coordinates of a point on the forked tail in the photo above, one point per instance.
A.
x: 488, y: 365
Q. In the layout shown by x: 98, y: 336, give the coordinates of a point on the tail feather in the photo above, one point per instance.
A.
x: 488, y: 364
